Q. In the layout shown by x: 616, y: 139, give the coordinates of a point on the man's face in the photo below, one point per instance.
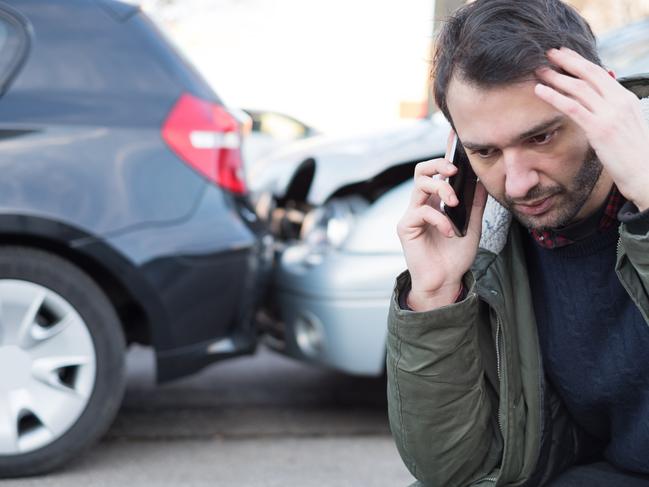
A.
x: 531, y: 158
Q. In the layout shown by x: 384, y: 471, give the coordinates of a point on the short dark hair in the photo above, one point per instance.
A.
x: 499, y: 42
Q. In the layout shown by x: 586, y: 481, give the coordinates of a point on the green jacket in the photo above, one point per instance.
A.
x: 468, y: 404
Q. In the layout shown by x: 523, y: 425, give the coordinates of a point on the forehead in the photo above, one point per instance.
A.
x: 493, y: 115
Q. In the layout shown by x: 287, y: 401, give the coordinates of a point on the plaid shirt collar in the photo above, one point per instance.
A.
x: 552, y: 240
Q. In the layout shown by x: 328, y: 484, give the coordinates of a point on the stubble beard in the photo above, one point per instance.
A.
x: 569, y: 201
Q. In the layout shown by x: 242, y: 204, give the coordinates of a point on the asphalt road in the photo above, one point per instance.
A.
x: 255, y: 421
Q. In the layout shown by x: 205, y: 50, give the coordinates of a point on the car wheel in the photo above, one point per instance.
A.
x: 62, y: 371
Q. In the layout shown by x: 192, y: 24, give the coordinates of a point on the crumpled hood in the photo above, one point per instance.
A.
x: 340, y: 161
x: 497, y: 220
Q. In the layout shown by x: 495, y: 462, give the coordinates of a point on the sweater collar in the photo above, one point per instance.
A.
x: 600, y: 221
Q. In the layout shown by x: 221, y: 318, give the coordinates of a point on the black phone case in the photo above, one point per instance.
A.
x: 463, y: 183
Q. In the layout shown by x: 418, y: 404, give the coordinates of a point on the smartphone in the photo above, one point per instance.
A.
x: 463, y: 183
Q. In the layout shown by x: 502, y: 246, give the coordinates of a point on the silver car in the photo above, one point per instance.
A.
x: 335, y: 207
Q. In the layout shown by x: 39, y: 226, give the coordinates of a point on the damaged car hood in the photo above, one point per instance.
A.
x: 340, y: 161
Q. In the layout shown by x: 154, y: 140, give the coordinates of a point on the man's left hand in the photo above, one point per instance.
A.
x: 609, y: 114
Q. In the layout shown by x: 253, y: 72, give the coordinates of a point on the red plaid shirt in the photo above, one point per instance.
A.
x: 553, y: 240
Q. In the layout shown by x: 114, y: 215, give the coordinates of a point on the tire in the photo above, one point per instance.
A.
x: 65, y: 364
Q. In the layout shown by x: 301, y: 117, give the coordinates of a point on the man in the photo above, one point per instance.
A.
x: 519, y: 354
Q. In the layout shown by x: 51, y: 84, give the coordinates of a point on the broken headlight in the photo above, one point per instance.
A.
x: 329, y: 225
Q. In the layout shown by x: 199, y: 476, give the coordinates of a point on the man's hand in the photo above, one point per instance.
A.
x: 609, y: 114
x: 436, y: 258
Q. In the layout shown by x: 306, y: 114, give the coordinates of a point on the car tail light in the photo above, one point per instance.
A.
x: 208, y: 138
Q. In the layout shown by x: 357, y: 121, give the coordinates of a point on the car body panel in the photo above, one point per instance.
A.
x: 331, y: 275
x: 332, y: 295
x: 180, y: 264
x: 349, y: 341
x: 101, y: 179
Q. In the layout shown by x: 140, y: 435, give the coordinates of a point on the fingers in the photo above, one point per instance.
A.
x: 437, y: 188
x: 429, y: 182
x: 430, y: 189
x: 435, y: 166
x: 565, y: 104
x: 576, y: 88
x: 593, y: 99
x: 578, y: 66
x: 420, y: 218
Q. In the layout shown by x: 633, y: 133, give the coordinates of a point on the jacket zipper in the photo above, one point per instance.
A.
x: 498, y: 370
x: 500, y: 426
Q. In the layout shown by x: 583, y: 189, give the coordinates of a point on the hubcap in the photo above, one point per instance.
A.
x: 47, y: 366
x: 18, y: 364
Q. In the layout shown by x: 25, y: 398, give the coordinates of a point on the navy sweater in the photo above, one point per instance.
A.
x: 594, y: 344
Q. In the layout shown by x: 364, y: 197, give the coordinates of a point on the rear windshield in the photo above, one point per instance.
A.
x: 80, y: 48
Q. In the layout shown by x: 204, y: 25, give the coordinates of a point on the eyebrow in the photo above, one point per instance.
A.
x: 537, y: 129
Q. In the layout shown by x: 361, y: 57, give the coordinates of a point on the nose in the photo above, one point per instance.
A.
x: 520, y: 175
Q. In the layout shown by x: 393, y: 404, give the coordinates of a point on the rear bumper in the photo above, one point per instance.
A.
x: 207, y: 275
x: 176, y: 363
x: 220, y: 314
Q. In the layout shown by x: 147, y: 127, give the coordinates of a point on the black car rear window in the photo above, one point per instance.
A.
x: 80, y: 48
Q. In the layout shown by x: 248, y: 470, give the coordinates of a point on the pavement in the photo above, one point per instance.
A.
x: 260, y: 421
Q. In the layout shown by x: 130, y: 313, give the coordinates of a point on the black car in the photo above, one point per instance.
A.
x: 124, y: 217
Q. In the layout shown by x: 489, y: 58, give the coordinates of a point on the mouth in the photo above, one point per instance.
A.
x: 537, y: 208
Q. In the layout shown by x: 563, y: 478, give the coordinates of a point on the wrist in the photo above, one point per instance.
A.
x: 428, y: 300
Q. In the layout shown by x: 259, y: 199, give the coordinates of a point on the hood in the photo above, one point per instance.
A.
x: 497, y: 220
x: 340, y: 161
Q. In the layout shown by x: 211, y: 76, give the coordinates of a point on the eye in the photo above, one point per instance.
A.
x: 485, y: 153
x: 542, y: 139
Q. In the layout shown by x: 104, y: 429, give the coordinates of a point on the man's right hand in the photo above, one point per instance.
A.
x: 436, y: 258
